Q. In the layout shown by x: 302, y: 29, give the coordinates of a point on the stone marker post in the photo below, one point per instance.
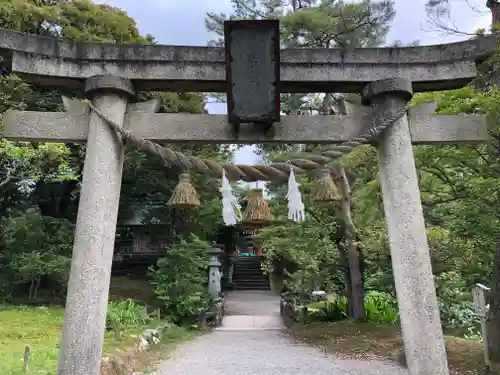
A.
x: 411, y: 263
x: 481, y: 308
x: 88, y: 287
x: 214, y: 278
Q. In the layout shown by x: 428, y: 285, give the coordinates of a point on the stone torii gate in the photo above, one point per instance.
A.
x: 110, y: 75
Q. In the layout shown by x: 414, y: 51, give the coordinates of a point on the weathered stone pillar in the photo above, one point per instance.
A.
x: 411, y: 263
x: 214, y: 278
x: 88, y: 288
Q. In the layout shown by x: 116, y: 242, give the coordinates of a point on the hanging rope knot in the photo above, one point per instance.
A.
x: 273, y: 171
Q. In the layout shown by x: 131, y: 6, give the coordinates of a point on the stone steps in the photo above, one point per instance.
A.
x: 248, y: 274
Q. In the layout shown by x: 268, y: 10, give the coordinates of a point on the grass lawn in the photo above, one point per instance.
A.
x: 40, y: 328
x: 368, y: 340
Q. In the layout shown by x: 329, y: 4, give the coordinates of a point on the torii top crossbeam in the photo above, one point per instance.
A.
x: 57, y: 63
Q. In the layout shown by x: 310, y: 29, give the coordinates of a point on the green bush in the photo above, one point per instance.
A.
x: 36, y: 255
x: 180, y: 279
x: 329, y: 311
x: 455, y: 304
x: 454, y: 299
x: 126, y: 313
x: 379, y: 307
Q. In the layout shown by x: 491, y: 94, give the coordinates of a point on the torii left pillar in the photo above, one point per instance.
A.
x: 88, y: 287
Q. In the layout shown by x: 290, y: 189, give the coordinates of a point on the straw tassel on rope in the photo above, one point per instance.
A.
x: 184, y: 194
x: 325, y: 189
x: 296, y: 209
x: 257, y: 210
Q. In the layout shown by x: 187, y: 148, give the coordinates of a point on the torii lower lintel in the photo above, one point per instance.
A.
x: 72, y: 126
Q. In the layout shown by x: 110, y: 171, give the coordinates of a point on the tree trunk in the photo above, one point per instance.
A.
x: 357, y: 292
x: 353, y: 259
x: 30, y: 293
x: 348, y: 285
x: 493, y: 322
x: 357, y: 296
x: 37, y: 287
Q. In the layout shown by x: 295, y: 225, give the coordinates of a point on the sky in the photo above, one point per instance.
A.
x: 181, y: 22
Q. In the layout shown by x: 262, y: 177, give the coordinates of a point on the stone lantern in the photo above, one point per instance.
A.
x: 214, y: 275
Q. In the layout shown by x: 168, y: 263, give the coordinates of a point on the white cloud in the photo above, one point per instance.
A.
x: 174, y: 22
x: 203, y: 5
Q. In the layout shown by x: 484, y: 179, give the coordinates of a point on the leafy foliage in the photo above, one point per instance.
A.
x: 181, y: 279
x: 380, y: 308
x: 80, y: 20
x: 33, y: 256
x: 455, y: 303
x: 126, y: 313
x: 316, y: 23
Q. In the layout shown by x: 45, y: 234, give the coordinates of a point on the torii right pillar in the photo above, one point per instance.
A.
x: 411, y: 263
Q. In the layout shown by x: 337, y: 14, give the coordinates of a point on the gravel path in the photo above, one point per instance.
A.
x: 262, y: 353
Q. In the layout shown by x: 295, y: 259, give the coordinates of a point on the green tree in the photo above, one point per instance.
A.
x: 315, y: 23
x: 45, y: 177
x: 80, y: 20
x: 186, y: 297
x: 73, y: 20
x: 34, y: 255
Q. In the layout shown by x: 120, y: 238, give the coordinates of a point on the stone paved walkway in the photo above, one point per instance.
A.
x: 260, y: 352
x: 252, y: 302
x: 252, y: 310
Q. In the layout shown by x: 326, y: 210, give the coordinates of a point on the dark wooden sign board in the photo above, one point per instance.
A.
x: 252, y: 51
